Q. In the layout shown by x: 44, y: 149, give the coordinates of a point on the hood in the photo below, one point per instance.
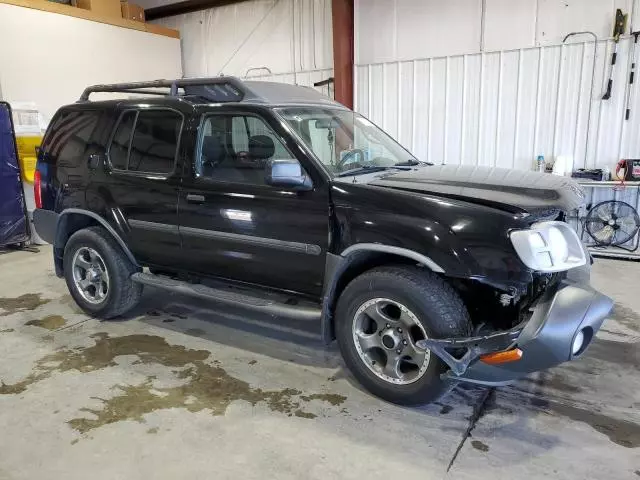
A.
x: 511, y: 190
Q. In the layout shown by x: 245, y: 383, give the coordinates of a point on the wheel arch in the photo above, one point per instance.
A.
x: 354, y: 261
x: 73, y: 219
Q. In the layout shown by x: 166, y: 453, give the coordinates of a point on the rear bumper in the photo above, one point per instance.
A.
x: 546, y: 340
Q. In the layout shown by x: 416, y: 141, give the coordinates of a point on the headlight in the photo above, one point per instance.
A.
x: 549, y: 247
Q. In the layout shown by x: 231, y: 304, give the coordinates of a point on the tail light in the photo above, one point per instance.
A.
x: 37, y: 190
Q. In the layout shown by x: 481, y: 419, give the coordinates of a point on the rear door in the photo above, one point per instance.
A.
x: 234, y: 225
x: 139, y: 188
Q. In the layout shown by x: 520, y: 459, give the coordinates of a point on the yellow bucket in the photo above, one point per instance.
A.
x: 27, y: 155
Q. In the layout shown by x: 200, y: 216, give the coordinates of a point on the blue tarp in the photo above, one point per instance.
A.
x: 13, y: 222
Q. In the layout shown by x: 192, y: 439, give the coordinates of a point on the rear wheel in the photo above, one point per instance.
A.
x: 380, y: 317
x: 98, y: 274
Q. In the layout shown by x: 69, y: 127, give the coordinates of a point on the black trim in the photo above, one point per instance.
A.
x: 256, y: 300
x: 251, y: 240
x: 102, y: 222
x: 153, y: 226
x: 186, y: 6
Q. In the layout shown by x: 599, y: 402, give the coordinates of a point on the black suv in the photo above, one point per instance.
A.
x: 275, y: 198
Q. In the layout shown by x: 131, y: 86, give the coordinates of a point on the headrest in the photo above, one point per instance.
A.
x: 261, y: 146
x: 212, y: 149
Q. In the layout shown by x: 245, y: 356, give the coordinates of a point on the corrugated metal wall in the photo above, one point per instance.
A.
x: 280, y: 40
x: 505, y: 108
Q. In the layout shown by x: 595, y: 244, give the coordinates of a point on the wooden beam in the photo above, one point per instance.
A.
x: 70, y: 11
x: 343, y: 50
x: 185, y: 6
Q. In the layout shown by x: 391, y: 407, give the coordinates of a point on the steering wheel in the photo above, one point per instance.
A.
x: 345, y: 159
x: 245, y: 160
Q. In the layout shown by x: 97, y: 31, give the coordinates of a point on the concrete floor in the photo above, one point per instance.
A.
x: 182, y: 391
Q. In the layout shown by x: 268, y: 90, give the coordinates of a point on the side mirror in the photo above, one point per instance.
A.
x: 288, y: 174
x: 96, y: 160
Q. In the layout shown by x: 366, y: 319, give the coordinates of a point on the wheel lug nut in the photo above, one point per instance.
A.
x: 388, y: 325
x: 399, y: 350
x: 399, y: 330
x: 404, y: 342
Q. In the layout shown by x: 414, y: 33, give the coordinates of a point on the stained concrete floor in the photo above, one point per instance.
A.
x: 179, y: 390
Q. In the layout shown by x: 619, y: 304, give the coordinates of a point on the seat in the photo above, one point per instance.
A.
x: 212, y: 155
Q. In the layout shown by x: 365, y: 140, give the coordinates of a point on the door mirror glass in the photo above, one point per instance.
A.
x: 288, y: 174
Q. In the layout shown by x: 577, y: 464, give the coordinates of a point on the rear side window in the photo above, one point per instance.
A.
x: 119, y: 150
x: 69, y: 137
x: 146, y: 141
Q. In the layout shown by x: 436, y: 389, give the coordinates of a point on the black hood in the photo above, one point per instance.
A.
x: 512, y: 190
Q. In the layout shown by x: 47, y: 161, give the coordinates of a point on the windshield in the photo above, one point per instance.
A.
x: 344, y: 140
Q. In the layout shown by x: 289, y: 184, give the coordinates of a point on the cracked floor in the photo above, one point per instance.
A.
x: 180, y: 390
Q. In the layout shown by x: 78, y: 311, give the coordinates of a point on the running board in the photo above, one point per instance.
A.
x: 252, y: 299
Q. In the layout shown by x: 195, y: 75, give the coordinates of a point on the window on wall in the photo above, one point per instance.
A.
x: 238, y: 149
x: 146, y: 141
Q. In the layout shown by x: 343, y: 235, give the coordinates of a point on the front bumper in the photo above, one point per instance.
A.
x: 546, y: 339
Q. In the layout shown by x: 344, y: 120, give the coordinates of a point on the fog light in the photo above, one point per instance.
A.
x: 578, y: 342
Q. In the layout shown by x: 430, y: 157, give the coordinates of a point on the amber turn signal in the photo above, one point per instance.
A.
x: 497, y: 358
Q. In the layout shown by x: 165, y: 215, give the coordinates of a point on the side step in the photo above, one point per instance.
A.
x: 252, y: 299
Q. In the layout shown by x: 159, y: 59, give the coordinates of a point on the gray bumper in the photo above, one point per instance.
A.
x: 546, y: 340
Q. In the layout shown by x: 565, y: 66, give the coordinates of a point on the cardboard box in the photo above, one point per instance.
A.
x: 105, y: 8
x: 131, y: 11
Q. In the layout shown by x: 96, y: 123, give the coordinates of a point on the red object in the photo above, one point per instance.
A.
x: 37, y: 192
x: 343, y: 50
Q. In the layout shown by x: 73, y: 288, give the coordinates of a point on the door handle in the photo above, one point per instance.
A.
x: 193, y: 198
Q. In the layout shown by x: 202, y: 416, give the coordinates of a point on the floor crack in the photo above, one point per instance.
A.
x: 478, y: 411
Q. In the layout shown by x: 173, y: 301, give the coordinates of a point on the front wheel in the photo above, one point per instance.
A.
x: 379, y: 318
x: 98, y: 274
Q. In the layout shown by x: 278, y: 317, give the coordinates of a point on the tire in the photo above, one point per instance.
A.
x: 122, y: 294
x: 435, y: 305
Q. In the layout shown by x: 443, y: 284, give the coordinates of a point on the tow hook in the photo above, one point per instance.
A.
x: 460, y: 353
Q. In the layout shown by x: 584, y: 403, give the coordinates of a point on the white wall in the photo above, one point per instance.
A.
x: 49, y: 58
x: 292, y: 38
x: 524, y: 95
x: 390, y: 30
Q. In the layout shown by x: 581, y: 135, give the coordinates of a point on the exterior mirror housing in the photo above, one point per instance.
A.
x: 288, y: 174
x: 96, y: 160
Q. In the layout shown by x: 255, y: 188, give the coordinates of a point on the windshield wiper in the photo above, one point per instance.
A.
x: 412, y: 162
x: 370, y: 169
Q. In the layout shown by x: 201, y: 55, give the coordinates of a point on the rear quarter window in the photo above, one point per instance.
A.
x: 69, y: 136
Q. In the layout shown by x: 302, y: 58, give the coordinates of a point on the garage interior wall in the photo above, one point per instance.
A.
x: 48, y: 58
x: 490, y: 82
x: 279, y: 40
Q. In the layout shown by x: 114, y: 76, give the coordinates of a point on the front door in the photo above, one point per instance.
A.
x: 234, y: 225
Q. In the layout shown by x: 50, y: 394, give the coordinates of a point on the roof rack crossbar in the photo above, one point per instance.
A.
x: 235, y: 86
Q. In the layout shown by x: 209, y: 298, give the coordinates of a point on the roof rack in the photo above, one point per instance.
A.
x: 217, y: 89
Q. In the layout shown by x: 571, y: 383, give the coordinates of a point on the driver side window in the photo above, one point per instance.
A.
x: 237, y: 148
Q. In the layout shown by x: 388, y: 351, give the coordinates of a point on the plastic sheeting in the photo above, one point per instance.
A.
x: 13, y: 223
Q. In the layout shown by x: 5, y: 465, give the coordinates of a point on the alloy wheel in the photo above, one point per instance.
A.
x: 385, y: 333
